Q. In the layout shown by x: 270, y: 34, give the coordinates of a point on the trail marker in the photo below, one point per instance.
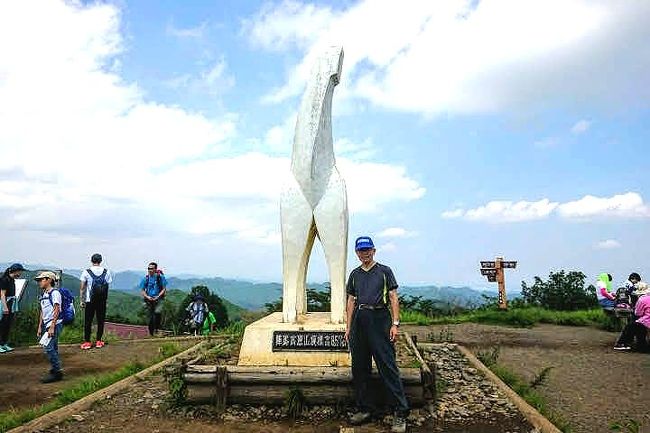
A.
x: 493, y: 270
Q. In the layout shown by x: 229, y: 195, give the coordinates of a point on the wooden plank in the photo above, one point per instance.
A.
x: 275, y: 395
x: 221, y: 387
x: 509, y: 264
x: 537, y: 420
x: 492, y: 279
x: 427, y: 371
x: 294, y: 376
x: 488, y: 264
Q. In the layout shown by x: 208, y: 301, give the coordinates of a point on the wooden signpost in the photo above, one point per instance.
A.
x: 493, y: 270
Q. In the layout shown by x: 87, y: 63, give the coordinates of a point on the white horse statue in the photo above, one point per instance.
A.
x: 314, y: 201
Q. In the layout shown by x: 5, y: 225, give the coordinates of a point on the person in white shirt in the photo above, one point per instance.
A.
x: 50, y: 322
x: 95, y: 282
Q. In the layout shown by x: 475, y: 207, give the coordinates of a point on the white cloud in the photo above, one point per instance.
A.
x: 461, y: 57
x: 197, y: 32
x: 628, y: 205
x: 547, y: 142
x: 581, y: 126
x: 80, y: 140
x: 215, y: 80
x: 608, y: 244
x: 395, y: 232
x: 506, y: 211
x: 386, y: 247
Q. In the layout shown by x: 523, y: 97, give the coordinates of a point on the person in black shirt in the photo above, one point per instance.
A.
x: 7, y: 298
x: 372, y: 328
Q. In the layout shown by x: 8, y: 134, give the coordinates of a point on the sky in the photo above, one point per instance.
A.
x: 465, y: 130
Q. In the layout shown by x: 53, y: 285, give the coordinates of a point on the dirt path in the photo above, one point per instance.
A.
x: 22, y: 370
x: 590, y: 384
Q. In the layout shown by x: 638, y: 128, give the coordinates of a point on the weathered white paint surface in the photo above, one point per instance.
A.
x: 314, y: 200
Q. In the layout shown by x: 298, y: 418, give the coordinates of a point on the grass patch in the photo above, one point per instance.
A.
x: 80, y: 388
x: 530, y: 394
x: 517, y: 317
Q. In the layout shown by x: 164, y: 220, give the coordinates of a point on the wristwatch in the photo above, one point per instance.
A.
x: 396, y: 323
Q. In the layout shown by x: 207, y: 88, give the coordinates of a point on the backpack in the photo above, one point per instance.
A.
x: 159, y: 284
x: 99, y: 286
x: 67, y: 305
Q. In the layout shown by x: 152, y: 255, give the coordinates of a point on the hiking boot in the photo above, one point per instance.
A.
x: 622, y: 347
x: 399, y: 424
x: 52, y: 377
x: 360, y: 418
x: 99, y: 344
x: 86, y: 345
x: 8, y: 348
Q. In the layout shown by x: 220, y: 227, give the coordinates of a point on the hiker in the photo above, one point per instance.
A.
x: 372, y: 329
x: 8, y: 299
x: 606, y: 298
x: 197, y: 311
x: 209, y: 324
x: 50, y: 323
x: 637, y: 329
x: 95, y: 282
x: 154, y: 286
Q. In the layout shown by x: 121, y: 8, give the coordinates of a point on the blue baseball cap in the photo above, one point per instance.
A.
x: 363, y: 243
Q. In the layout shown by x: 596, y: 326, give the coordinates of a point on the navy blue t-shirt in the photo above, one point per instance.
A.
x: 371, y: 286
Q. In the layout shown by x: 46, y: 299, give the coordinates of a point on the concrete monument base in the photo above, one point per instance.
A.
x: 258, y: 347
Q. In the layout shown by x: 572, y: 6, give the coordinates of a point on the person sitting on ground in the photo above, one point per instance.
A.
x: 197, y: 311
x: 50, y: 322
x: 8, y: 299
x: 637, y: 329
x: 95, y: 282
x: 606, y: 298
x: 631, y: 285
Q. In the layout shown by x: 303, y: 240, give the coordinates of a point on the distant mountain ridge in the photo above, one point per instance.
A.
x: 254, y: 295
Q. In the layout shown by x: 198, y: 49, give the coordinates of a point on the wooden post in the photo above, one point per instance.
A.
x: 501, y: 281
x: 221, y: 387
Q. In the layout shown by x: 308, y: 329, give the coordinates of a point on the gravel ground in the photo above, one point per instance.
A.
x: 590, y: 385
x: 467, y: 403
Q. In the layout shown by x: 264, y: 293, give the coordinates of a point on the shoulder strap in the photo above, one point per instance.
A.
x: 103, y: 275
x: 93, y: 276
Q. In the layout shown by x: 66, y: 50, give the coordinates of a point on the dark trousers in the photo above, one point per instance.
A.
x: 369, y: 339
x: 5, y: 323
x: 155, y: 315
x: 96, y: 307
x: 634, y: 331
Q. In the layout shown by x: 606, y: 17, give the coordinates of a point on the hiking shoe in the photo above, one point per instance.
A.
x: 399, y: 425
x: 2, y: 349
x: 86, y: 345
x: 52, y: 377
x: 622, y: 347
x: 360, y: 418
x: 99, y: 344
x: 8, y: 348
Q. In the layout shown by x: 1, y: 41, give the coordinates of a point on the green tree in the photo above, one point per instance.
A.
x: 561, y: 291
x: 215, y: 304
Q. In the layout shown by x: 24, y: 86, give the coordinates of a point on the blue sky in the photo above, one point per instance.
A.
x: 162, y: 130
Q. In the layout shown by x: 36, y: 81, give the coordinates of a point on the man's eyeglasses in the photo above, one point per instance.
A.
x: 151, y: 269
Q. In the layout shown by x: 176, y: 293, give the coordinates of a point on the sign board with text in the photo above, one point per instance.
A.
x: 493, y: 271
x: 310, y: 341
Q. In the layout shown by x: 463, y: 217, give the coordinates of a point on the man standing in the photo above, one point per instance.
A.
x: 94, y: 295
x: 50, y: 323
x: 154, y: 286
x: 7, y: 301
x: 372, y: 328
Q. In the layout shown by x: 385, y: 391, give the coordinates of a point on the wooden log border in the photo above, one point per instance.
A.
x: 63, y: 414
x: 539, y: 421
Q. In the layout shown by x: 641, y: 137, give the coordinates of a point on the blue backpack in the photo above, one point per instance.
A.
x: 67, y: 305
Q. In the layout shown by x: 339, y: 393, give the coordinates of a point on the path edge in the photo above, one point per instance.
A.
x: 62, y: 414
x: 533, y: 416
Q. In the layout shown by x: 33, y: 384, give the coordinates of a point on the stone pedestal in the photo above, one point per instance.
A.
x: 272, y: 342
